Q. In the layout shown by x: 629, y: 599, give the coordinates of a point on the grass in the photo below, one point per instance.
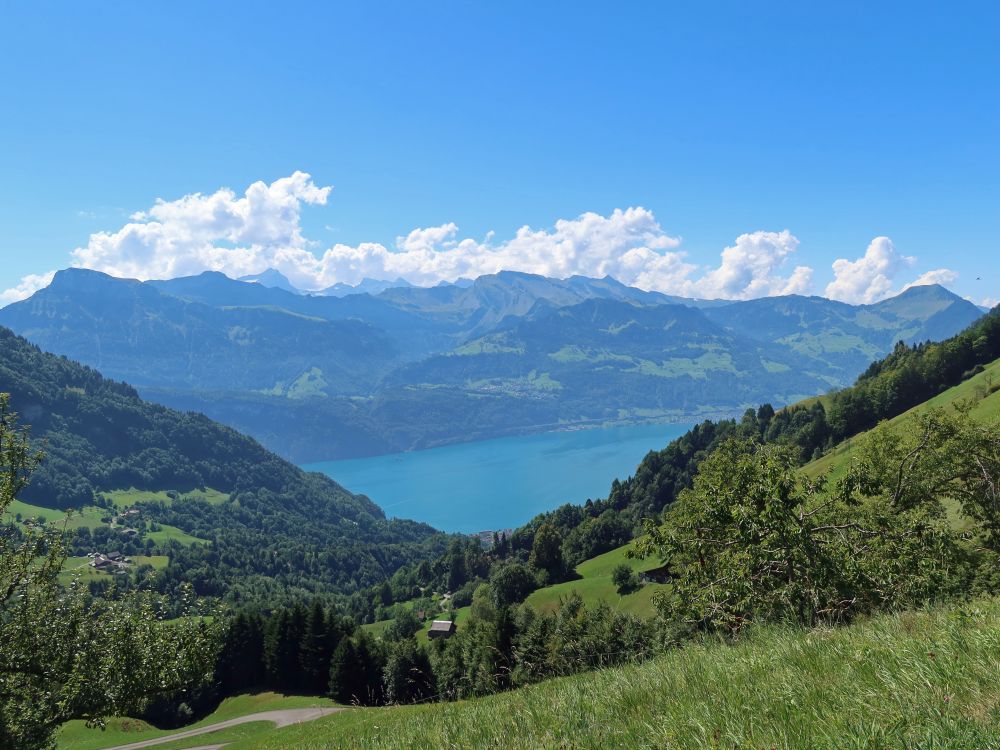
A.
x: 378, y: 628
x: 172, y: 533
x: 594, y: 585
x: 75, y: 735
x: 80, y: 566
x: 927, y: 680
x: 128, y: 498
x: 88, y: 517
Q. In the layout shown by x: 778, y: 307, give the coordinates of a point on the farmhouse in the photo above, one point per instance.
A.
x: 661, y: 574
x: 114, y: 562
x: 441, y: 629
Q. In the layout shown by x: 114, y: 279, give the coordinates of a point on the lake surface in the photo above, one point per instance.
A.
x: 502, y: 483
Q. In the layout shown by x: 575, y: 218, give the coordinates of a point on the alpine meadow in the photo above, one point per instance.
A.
x: 615, y: 377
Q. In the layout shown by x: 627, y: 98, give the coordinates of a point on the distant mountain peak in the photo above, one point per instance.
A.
x: 365, y: 286
x: 927, y: 290
x: 271, y: 278
x: 83, y: 279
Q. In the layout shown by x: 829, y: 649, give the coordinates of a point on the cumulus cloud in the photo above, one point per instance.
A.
x: 260, y: 229
x: 869, y: 278
x: 943, y: 276
x: 28, y: 286
x: 219, y: 232
x: 750, y: 269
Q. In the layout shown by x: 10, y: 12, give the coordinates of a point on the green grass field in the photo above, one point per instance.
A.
x: 80, y: 567
x: 913, y: 680
x: 594, y: 585
x: 172, y: 533
x: 88, y: 517
x: 75, y: 735
x: 128, y: 498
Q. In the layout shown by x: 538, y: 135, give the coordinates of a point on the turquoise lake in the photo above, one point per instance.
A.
x: 502, y: 483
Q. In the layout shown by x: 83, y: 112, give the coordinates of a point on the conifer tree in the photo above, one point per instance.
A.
x: 314, y: 654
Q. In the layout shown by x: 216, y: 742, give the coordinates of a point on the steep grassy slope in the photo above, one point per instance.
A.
x: 595, y: 585
x: 927, y: 680
x: 976, y: 389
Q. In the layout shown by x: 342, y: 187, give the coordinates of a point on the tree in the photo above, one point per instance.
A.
x: 282, y: 649
x: 938, y: 454
x: 403, y: 627
x: 511, y: 583
x: 754, y: 540
x: 241, y: 662
x: 62, y: 657
x: 356, y: 671
x: 407, y: 675
x: 546, y: 552
x: 315, y: 652
x: 624, y: 578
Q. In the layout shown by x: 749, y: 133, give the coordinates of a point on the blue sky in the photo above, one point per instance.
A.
x: 836, y: 122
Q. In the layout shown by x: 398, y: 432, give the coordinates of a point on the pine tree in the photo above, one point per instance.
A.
x: 314, y: 655
x: 281, y: 649
x: 241, y: 662
x: 342, y: 685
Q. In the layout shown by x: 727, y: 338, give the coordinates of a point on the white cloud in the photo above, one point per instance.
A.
x: 990, y: 302
x: 943, y: 276
x: 28, y: 286
x: 247, y: 234
x: 260, y: 229
x: 220, y: 232
x: 869, y: 278
x: 750, y: 269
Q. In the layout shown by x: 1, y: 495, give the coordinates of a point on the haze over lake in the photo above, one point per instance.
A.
x: 500, y: 483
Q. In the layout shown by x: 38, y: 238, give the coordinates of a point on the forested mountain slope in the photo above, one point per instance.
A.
x: 848, y: 337
x: 300, y: 529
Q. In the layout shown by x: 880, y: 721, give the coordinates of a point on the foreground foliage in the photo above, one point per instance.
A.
x: 63, y: 656
x: 756, y: 540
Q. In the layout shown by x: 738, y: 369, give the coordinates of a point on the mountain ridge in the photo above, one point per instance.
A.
x: 403, y: 369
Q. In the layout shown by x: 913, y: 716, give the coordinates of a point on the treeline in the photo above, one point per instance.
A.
x: 315, y: 651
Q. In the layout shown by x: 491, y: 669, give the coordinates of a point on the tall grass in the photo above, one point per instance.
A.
x: 913, y: 680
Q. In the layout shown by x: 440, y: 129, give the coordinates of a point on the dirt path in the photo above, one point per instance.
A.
x: 281, y: 718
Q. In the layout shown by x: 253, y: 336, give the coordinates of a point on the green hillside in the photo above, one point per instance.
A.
x: 147, y: 480
x: 926, y: 679
x: 982, y: 389
x: 594, y: 585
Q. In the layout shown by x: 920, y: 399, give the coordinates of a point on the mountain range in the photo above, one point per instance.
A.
x: 321, y: 376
